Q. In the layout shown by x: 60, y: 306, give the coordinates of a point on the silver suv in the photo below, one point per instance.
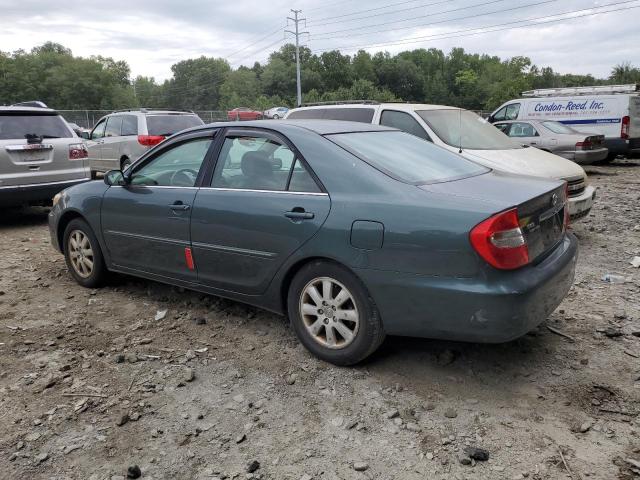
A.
x: 120, y: 138
x: 40, y: 155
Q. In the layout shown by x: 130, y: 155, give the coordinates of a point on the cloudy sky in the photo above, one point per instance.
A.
x: 152, y: 35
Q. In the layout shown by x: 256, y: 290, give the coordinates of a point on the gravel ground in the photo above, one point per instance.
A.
x: 188, y: 386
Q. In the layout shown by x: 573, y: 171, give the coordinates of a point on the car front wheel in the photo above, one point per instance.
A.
x: 83, y: 254
x: 333, y: 315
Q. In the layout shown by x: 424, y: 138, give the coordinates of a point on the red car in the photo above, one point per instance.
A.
x: 244, y: 113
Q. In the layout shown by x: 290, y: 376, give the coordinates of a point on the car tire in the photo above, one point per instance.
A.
x: 276, y: 116
x: 83, y: 255
x: 342, y: 325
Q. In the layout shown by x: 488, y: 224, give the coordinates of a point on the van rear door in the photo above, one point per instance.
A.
x: 634, y: 117
x: 38, y: 146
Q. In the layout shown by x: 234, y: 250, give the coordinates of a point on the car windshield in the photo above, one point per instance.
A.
x: 170, y: 124
x: 477, y: 133
x: 406, y: 157
x: 14, y: 126
x: 557, y: 127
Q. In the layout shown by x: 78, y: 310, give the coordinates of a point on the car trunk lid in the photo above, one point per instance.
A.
x: 540, y: 204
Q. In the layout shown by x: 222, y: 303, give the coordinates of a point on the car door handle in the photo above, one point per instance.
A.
x: 179, y: 206
x: 296, y: 214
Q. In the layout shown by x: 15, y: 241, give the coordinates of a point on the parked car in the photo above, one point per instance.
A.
x: 275, y: 112
x: 120, y: 138
x: 244, y: 113
x: 478, y: 142
x: 557, y: 138
x: 39, y: 155
x: 609, y: 110
x: 354, y: 231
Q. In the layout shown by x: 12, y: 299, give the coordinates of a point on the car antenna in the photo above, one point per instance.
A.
x: 459, y: 130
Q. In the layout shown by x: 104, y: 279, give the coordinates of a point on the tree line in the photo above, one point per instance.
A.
x: 51, y: 73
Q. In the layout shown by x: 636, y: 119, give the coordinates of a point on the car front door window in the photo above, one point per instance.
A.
x: 114, y: 127
x: 177, y: 166
x: 403, y: 121
x: 512, y: 111
x: 98, y: 130
x: 522, y: 129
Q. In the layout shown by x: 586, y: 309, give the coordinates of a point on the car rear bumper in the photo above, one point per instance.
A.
x: 580, y: 205
x: 621, y: 146
x: 34, y: 193
x: 478, y: 309
x: 586, y: 157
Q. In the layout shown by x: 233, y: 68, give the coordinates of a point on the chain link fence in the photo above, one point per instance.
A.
x: 88, y: 118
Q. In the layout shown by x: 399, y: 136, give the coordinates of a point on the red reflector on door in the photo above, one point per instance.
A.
x: 188, y: 257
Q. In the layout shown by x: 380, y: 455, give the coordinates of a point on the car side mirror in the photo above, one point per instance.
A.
x: 115, y: 178
x: 86, y: 135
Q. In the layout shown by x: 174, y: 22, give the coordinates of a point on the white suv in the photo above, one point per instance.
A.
x: 120, y: 138
x: 466, y: 133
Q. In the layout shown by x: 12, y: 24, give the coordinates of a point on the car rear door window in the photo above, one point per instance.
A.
x: 129, y: 125
x: 403, y: 121
x: 166, y: 125
x: 19, y: 125
x: 114, y: 127
x: 362, y: 115
x: 260, y: 163
x: 177, y: 166
x: 503, y: 127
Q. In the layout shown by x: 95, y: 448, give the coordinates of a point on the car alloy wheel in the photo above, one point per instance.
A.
x: 329, y: 313
x: 81, y: 253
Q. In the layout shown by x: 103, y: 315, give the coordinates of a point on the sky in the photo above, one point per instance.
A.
x: 153, y: 35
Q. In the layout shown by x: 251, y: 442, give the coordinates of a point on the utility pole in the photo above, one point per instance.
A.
x: 297, y: 33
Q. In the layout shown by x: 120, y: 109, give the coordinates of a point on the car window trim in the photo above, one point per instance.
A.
x: 272, y: 135
x: 211, y: 134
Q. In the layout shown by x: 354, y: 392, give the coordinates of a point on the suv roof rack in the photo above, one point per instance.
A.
x: 341, y: 102
x: 594, y: 90
x: 148, y: 109
x: 31, y: 103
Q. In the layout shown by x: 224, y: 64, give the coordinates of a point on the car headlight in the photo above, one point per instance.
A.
x: 56, y: 198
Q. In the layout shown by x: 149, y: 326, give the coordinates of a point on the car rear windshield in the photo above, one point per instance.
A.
x: 363, y: 115
x: 557, y: 127
x: 170, y: 124
x: 406, y: 157
x: 16, y: 125
x: 465, y: 129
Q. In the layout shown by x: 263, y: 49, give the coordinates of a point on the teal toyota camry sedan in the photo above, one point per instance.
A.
x: 353, y: 231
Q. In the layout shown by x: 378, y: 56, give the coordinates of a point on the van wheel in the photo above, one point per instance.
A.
x: 333, y: 315
x: 83, y: 255
x: 125, y: 163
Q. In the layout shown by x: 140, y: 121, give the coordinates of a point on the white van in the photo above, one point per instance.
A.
x: 479, y: 142
x: 610, y: 110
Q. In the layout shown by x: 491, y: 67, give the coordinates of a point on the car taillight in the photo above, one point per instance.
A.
x: 78, y: 151
x: 624, y: 130
x: 586, y: 145
x: 150, y: 140
x: 500, y: 242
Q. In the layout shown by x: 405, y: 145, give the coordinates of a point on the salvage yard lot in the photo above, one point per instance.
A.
x: 95, y: 381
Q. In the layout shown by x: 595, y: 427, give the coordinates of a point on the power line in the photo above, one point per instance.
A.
x: 324, y: 7
x: 238, y: 62
x: 448, y: 35
x: 374, y: 9
x: 279, y: 29
x: 519, y: 7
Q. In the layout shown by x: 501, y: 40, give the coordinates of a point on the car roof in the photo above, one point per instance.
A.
x: 396, y: 106
x: 151, y: 112
x: 321, y: 127
x: 13, y: 108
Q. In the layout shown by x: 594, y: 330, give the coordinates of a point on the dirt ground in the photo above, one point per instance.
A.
x: 95, y: 381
